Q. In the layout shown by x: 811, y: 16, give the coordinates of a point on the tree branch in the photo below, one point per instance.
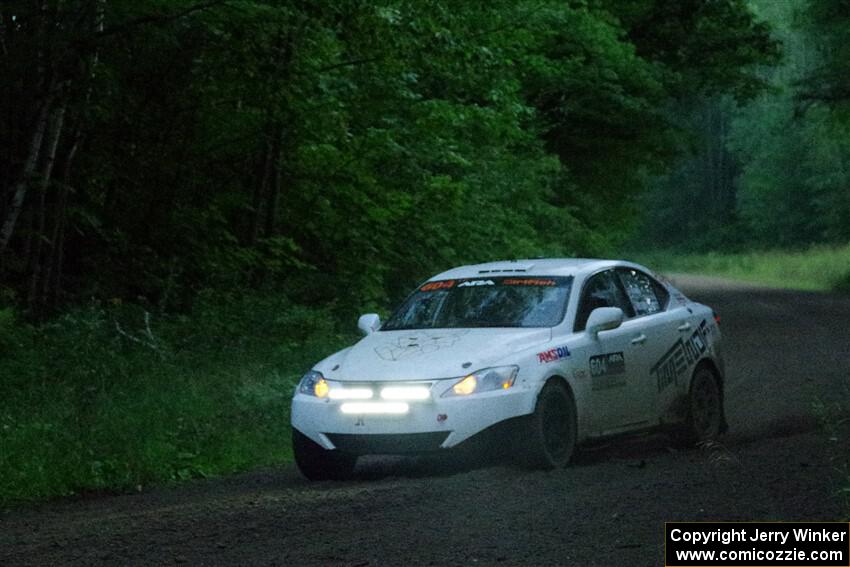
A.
x: 350, y: 63
x: 158, y: 18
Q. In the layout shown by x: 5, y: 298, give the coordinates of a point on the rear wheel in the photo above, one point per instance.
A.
x: 704, y: 420
x: 317, y: 463
x: 550, y: 435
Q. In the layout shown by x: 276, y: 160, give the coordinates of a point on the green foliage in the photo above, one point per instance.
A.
x: 794, y: 177
x: 793, y: 188
x: 828, y: 81
x: 707, y: 48
x: 773, y: 172
x: 708, y: 55
x: 343, y: 149
x: 692, y: 207
x: 100, y: 399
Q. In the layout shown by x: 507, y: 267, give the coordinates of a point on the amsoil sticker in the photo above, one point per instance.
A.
x: 680, y: 357
x: 608, y: 370
x: 553, y: 354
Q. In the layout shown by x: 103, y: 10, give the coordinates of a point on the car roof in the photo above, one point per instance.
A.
x: 532, y: 267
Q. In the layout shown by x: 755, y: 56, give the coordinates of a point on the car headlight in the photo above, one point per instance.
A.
x: 486, y: 380
x: 314, y: 384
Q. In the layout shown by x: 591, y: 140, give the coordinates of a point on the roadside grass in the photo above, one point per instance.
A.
x: 108, y: 398
x: 816, y: 269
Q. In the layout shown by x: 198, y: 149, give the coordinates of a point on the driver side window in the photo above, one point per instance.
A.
x: 601, y: 290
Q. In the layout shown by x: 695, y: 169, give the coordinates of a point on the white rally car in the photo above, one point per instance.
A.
x: 561, y: 351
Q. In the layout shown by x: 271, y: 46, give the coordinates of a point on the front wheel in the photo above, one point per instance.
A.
x: 317, y: 463
x: 704, y: 420
x: 550, y: 435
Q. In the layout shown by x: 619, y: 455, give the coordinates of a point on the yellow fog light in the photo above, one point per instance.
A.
x: 466, y: 386
x: 321, y: 388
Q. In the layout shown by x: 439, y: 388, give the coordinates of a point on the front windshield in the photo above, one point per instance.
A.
x: 484, y: 302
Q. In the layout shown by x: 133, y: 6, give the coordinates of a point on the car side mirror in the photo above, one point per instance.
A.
x: 604, y: 319
x: 369, y: 323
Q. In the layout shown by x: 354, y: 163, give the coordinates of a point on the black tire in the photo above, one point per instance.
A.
x: 704, y: 420
x: 550, y: 432
x: 318, y: 463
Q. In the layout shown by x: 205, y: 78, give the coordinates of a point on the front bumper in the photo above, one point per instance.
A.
x: 431, y: 424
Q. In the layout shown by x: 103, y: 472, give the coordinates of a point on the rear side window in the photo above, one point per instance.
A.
x: 646, y: 295
x: 601, y: 290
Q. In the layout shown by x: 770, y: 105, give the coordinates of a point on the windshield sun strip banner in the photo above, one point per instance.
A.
x: 476, y: 282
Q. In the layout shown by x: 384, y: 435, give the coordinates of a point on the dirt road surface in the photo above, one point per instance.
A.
x: 788, y: 359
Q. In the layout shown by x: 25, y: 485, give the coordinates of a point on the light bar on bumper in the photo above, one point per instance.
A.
x: 340, y: 393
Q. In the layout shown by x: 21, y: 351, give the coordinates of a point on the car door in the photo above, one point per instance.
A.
x: 662, y: 327
x: 615, y: 378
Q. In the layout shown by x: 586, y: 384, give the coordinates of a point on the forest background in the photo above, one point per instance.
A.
x: 198, y: 197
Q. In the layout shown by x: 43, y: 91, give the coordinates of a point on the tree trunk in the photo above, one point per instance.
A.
x: 57, y: 120
x: 19, y: 189
x: 276, y: 178
x: 260, y: 190
x: 52, y: 280
x: 3, y: 31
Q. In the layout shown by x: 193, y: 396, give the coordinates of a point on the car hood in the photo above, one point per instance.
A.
x: 428, y: 354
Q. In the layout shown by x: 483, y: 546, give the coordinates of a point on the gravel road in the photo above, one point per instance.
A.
x: 788, y: 361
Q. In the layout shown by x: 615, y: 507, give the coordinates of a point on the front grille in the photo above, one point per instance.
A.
x: 383, y: 444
